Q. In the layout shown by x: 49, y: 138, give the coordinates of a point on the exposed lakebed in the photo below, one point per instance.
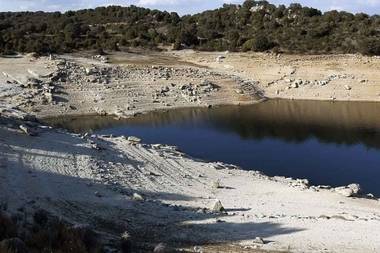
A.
x: 328, y: 143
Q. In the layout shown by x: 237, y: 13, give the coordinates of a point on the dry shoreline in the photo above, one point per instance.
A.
x: 93, y: 179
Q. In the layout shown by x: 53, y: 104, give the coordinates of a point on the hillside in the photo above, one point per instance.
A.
x: 254, y: 25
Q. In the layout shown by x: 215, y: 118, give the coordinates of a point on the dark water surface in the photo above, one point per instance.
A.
x: 327, y: 143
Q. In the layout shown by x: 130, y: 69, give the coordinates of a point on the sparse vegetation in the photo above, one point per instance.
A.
x: 45, y: 233
x: 254, y: 25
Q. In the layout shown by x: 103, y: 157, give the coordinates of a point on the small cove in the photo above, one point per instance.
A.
x: 328, y: 143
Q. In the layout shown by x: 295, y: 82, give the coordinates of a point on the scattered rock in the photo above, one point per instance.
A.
x: 198, y: 249
x: 294, y: 85
x: 161, y: 248
x: 220, y: 58
x: 300, y: 183
x: 101, y: 58
x: 27, y: 130
x: 258, y: 240
x: 218, y: 207
x: 95, y: 146
x: 48, y: 97
x: 137, y: 197
x: 126, y: 243
x: 216, y: 184
x: 90, y: 71
x: 134, y: 139
x: 347, y: 87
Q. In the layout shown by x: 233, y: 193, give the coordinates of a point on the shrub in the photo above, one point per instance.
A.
x: 258, y: 44
x: 369, y: 47
x: 8, y: 228
x: 262, y: 43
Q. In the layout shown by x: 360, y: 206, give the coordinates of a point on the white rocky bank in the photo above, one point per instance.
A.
x: 156, y: 189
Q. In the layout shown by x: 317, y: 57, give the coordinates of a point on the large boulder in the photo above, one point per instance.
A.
x: 351, y: 190
x: 218, y: 207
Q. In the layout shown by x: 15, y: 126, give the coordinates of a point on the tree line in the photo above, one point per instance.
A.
x: 252, y: 26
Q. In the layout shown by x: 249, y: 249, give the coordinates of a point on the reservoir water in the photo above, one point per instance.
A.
x: 328, y: 143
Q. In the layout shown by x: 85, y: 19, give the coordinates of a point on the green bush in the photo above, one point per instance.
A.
x: 258, y: 44
x: 294, y: 29
x: 369, y: 47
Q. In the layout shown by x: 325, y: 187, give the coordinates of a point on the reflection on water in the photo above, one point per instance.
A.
x: 329, y: 143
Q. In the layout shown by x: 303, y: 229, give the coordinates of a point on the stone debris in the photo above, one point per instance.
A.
x: 33, y: 83
x: 100, y: 112
x: 294, y: 84
x: 27, y: 130
x: 300, y: 183
x: 249, y: 87
x: 134, y: 140
x: 258, y: 240
x: 161, y: 248
x: 220, y: 58
x: 96, y: 146
x: 110, y: 77
x: 101, y: 58
x: 198, y: 249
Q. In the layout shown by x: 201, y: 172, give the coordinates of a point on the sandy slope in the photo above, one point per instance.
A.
x: 353, y: 77
x: 91, y: 179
